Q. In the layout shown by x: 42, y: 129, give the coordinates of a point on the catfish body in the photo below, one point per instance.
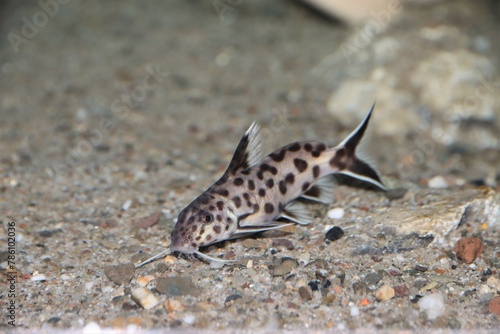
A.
x: 255, y: 192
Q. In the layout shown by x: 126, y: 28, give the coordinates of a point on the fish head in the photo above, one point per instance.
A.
x: 205, y: 221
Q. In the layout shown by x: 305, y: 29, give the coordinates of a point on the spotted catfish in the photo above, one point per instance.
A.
x: 255, y: 192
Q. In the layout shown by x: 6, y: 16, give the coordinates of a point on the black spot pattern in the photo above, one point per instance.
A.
x: 237, y: 201
x: 269, y: 208
x: 238, y: 181
x: 222, y: 192
x: 282, y: 187
x: 268, y: 168
x: 308, y: 147
x: 251, y: 185
x: 294, y: 147
x: 319, y: 148
x: 316, y: 171
x: 217, y: 229
x: 220, y: 205
x: 290, y: 178
x: 278, y: 156
x: 305, y: 186
x: 262, y: 192
x: 300, y: 164
x: 270, y: 183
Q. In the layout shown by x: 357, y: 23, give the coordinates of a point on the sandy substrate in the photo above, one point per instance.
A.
x: 111, y: 112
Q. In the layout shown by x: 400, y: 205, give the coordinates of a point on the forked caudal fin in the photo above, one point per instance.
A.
x: 352, y: 159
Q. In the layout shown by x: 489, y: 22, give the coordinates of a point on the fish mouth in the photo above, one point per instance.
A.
x: 179, y: 246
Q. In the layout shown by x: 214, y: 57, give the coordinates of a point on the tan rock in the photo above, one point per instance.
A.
x: 467, y: 249
x: 384, y: 293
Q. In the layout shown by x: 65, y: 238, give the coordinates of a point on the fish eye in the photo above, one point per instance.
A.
x: 208, y: 219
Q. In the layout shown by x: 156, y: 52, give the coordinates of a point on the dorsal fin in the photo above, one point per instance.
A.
x: 248, y: 152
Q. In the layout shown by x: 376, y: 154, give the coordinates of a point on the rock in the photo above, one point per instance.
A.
x: 173, y: 305
x: 334, y: 233
x: 493, y: 283
x: 395, y: 193
x: 284, y: 267
x: 120, y: 274
x: 401, y: 290
x: 359, y: 288
x: 384, y: 293
x: 468, y: 248
x: 373, y: 278
x: 149, y: 221
x: 354, y: 311
x: 437, y: 182
x: 335, y: 213
x: 142, y: 281
x: 252, y: 243
x: 494, y: 306
x: 145, y: 298
x: 177, y: 286
x: 285, y: 243
x: 37, y: 277
x: 432, y: 305
x: 305, y: 292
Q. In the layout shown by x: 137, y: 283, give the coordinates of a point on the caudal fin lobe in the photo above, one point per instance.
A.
x: 352, y: 159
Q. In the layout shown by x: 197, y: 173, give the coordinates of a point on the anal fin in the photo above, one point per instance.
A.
x: 266, y: 226
x: 297, y: 212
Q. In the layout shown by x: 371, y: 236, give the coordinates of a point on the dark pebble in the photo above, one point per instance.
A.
x: 486, y: 274
x: 283, y: 243
x: 314, y: 285
x: 360, y: 288
x: 469, y: 293
x: 130, y: 307
x: 335, y: 233
x: 176, y: 286
x: 149, y: 221
x: 416, y: 299
x: 54, y: 320
x: 232, y: 298
x: 420, y: 268
x: 305, y: 292
x: 327, y: 284
x: 120, y: 274
x: 373, y: 278
x: 46, y: 233
x: 396, y: 193
x: 273, y: 251
x: 401, y: 290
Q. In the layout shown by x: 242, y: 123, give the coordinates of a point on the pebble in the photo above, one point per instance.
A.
x: 396, y: 193
x: 149, y: 221
x: 305, y: 292
x: 284, y: 267
x: 127, y: 205
x: 373, y: 278
x: 173, y: 305
x: 176, y: 286
x: 142, y: 281
x: 38, y: 277
x: 354, y: 312
x: 384, y: 293
x: 335, y: 233
x: 401, y: 290
x: 92, y: 328
x: 437, y: 182
x: 468, y: 248
x: 285, y: 243
x: 189, y: 319
x: 493, y: 283
x: 252, y: 243
x: 432, y: 305
x: 145, y: 298
x: 336, y: 213
x: 120, y: 274
x: 494, y: 306
x: 429, y: 286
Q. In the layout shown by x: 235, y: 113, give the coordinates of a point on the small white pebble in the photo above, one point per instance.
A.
x: 107, y: 289
x: 437, y: 182
x: 38, y: 277
x: 89, y: 285
x: 433, y: 305
x: 144, y: 298
x: 65, y: 277
x: 336, y: 213
x: 92, y: 328
x: 249, y: 264
x: 189, y: 319
x: 484, y: 289
x: 354, y: 311
x: 127, y: 205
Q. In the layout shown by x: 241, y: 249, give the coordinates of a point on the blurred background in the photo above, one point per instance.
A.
x: 81, y: 81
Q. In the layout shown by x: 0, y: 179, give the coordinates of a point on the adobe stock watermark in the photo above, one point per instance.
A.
x: 31, y: 27
x: 226, y: 9
x: 376, y: 25
x: 278, y: 122
x: 121, y: 108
